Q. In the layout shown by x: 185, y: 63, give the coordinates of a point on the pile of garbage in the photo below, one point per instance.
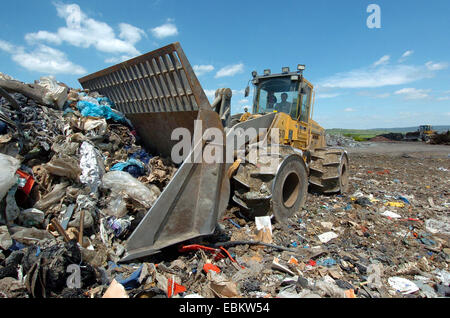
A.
x: 74, y: 183
x: 441, y: 138
x: 388, y: 137
x: 337, y: 140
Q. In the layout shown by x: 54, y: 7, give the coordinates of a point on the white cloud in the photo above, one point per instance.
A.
x: 43, y: 59
x: 165, y: 30
x: 210, y: 93
x: 382, y: 60
x: 238, y: 92
x: 373, y: 95
x: 325, y: 95
x: 85, y: 32
x: 130, y: 33
x: 7, y: 47
x: 382, y: 95
x: 413, y: 93
x: 118, y: 59
x: 43, y: 36
x: 348, y: 109
x: 436, y: 66
x: 405, y: 55
x: 243, y: 101
x: 202, y: 69
x: 381, y: 73
x: 443, y: 98
x: 383, y: 76
x: 230, y: 70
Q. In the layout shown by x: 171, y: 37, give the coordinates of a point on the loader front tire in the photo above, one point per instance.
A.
x: 290, y: 188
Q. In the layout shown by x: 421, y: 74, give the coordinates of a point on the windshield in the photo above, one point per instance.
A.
x: 277, y: 94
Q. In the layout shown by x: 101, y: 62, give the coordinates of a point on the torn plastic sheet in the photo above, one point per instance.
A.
x: 91, y: 165
x: 123, y: 182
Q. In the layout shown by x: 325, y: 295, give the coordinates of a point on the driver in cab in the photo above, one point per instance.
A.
x: 283, y: 106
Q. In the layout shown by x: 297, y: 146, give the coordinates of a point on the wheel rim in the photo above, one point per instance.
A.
x: 344, y: 176
x: 291, y: 189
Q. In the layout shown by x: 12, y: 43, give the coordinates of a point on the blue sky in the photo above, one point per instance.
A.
x: 394, y: 76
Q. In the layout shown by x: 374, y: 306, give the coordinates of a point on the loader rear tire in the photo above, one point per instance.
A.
x: 329, y: 171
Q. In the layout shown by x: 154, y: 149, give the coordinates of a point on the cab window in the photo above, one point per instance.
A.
x: 305, y: 104
x: 277, y: 94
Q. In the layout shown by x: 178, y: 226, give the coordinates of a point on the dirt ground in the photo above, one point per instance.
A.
x: 398, y: 148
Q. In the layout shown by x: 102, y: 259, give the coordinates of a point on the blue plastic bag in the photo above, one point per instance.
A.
x: 132, y: 281
x: 90, y: 109
x: 132, y: 166
x: 142, y: 155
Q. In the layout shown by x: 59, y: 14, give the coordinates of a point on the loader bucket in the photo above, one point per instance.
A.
x: 159, y: 92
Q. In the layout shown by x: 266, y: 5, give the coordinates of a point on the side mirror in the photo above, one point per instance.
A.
x: 247, y: 91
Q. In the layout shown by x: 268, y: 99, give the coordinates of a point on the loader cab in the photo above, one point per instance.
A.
x: 425, y: 129
x: 286, y: 92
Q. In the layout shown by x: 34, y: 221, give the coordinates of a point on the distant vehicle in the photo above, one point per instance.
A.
x: 424, y: 133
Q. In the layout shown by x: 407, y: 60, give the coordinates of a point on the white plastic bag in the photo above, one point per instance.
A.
x: 403, y: 285
x: 8, y: 168
x: 56, y: 94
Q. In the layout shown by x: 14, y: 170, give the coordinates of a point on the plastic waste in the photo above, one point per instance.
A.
x: 221, y: 285
x: 326, y: 237
x: 132, y: 166
x: 263, y: 229
x: 117, y: 207
x: 64, y: 166
x: 8, y: 168
x: 131, y: 281
x: 435, y: 226
x: 31, y: 217
x: 391, y: 214
x: 403, y: 285
x: 329, y: 287
x: 119, y: 226
x: 91, y: 165
x: 375, y: 271
x: 123, y: 182
x: 94, y: 127
x: 90, y: 108
x: 443, y: 276
x: 328, y: 262
x: 57, y: 94
x: 142, y: 155
x: 395, y: 204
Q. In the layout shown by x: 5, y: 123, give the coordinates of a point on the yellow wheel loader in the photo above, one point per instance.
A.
x: 284, y: 101
x: 266, y: 174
